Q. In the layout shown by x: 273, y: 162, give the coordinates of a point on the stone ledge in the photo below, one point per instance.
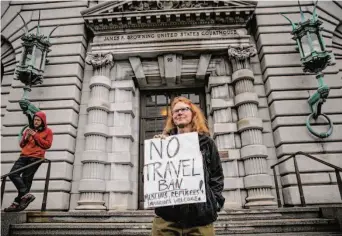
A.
x: 120, y: 158
x: 124, y: 85
x: 249, y: 123
x: 306, y: 164
x: 98, y: 104
x: 219, y: 103
x: 301, y: 107
x: 123, y: 107
x: 224, y: 128
x: 47, y: 105
x: 247, y: 97
x: 122, y: 132
x: 53, y: 117
x: 51, y: 155
x: 317, y: 178
x: 100, y: 80
x: 71, y: 92
x: 92, y: 185
x: 93, y: 155
x: 56, y: 129
x: 320, y: 194
x: 62, y: 142
x: 303, y: 82
x: 59, y: 170
x: 233, y: 183
x: 215, y: 81
x: 300, y: 120
x: 242, y: 74
x: 119, y: 186
x: 39, y: 185
x: 258, y: 181
x: 301, y: 134
x: 254, y: 151
x: 96, y: 129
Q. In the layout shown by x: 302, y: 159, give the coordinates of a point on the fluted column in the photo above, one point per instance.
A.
x: 92, y: 185
x: 257, y: 181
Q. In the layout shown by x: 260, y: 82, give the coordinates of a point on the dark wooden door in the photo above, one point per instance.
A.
x: 154, y: 108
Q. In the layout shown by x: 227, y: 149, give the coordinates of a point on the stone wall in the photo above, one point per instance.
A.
x: 59, y: 96
x: 287, y: 90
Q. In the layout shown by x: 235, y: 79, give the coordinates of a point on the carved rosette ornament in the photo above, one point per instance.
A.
x: 253, y: 151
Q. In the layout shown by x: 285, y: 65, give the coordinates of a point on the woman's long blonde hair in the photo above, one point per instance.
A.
x: 199, y: 123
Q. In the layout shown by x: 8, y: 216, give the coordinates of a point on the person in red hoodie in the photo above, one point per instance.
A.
x: 33, y: 143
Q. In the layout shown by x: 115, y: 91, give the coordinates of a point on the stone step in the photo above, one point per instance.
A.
x: 123, y: 219
x: 148, y: 233
x: 296, y: 234
x: 225, y: 228
x: 147, y: 216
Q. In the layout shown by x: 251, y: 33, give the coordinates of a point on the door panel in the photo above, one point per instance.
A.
x: 153, y: 113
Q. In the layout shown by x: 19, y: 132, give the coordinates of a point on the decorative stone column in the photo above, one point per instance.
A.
x: 92, y: 185
x: 226, y: 137
x: 257, y: 181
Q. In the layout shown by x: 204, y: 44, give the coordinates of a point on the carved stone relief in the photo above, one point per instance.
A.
x: 242, y: 52
x: 98, y: 59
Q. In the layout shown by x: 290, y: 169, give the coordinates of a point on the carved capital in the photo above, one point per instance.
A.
x: 242, y: 52
x: 98, y: 60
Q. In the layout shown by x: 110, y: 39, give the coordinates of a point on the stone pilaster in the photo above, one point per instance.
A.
x: 122, y: 158
x: 224, y: 129
x: 93, y: 185
x: 257, y: 181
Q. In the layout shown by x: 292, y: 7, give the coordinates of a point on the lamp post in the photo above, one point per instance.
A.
x: 314, y: 59
x: 30, y: 68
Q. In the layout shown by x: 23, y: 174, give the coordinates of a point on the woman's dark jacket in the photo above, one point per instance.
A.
x: 199, y: 214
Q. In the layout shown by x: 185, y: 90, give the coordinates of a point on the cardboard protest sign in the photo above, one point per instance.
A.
x: 173, y: 171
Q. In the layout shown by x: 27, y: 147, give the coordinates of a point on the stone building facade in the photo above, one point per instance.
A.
x: 115, y: 66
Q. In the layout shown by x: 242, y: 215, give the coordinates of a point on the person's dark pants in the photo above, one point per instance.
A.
x: 23, y: 179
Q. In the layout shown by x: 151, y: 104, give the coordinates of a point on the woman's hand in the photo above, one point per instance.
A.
x: 162, y: 136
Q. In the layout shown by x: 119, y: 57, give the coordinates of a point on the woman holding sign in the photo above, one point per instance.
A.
x: 197, y: 218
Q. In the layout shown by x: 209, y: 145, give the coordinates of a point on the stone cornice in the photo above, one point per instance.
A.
x: 151, y: 14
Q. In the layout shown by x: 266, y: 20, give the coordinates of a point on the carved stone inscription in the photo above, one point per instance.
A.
x: 170, y: 35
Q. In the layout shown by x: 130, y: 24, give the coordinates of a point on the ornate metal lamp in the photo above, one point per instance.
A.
x: 315, y: 59
x: 31, y: 66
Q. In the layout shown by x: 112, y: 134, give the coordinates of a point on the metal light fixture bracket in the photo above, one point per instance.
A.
x: 314, y: 58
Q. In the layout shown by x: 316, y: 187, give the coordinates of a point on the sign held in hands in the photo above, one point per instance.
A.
x: 173, y: 171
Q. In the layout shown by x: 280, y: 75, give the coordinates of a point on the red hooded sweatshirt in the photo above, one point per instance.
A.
x: 36, y: 145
